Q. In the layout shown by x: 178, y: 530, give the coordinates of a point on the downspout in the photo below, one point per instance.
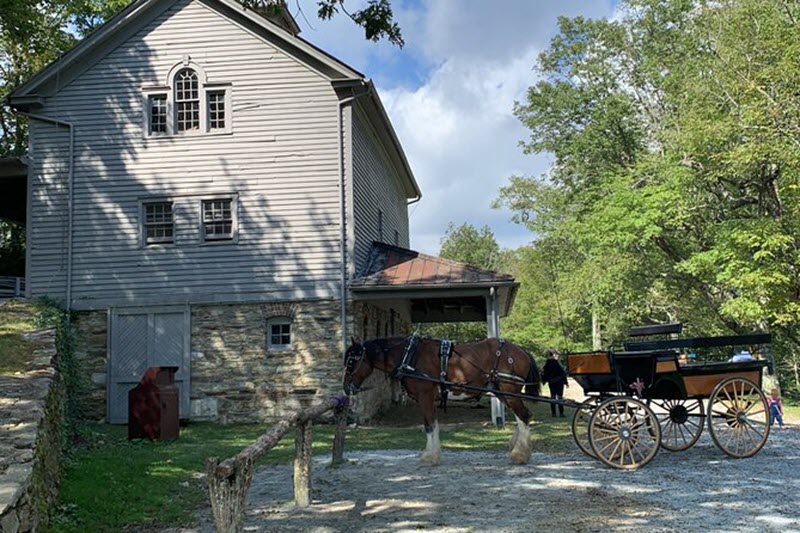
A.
x: 343, y: 213
x: 70, y: 193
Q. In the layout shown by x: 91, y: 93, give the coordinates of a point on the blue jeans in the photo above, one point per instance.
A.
x: 775, y: 414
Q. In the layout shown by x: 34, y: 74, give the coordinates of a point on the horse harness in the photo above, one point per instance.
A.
x: 407, y: 367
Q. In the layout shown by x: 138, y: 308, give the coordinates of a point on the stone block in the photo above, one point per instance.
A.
x: 10, y: 522
x: 204, y: 408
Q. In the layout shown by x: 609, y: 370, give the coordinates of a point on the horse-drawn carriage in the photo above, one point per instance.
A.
x: 649, y: 395
x: 639, y: 399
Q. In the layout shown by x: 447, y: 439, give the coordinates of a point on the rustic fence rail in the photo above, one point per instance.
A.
x: 229, y: 480
x: 12, y: 287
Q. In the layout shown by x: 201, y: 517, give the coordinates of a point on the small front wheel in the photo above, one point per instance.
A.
x: 681, y: 422
x: 738, y: 417
x: 624, y: 433
x: 580, y: 426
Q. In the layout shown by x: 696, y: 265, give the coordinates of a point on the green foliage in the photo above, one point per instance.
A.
x: 676, y: 177
x: 16, y: 318
x: 376, y: 17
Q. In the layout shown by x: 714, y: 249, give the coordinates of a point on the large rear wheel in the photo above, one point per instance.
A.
x: 738, y: 417
x: 681, y: 422
x: 624, y: 433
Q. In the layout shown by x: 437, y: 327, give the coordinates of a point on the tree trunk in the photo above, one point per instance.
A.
x: 597, y: 339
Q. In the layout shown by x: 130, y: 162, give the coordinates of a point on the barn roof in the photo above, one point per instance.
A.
x: 392, y: 266
x: 439, y: 289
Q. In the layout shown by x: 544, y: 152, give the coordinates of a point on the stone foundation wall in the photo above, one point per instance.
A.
x: 375, y: 320
x: 91, y: 354
x: 235, y: 378
x: 31, y: 440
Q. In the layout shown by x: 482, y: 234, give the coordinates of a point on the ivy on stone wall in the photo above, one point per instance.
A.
x: 76, y: 383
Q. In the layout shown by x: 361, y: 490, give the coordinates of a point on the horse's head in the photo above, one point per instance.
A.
x: 357, y: 367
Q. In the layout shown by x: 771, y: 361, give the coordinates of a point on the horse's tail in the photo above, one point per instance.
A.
x: 533, y: 381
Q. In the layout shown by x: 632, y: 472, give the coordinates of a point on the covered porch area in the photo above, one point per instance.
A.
x: 436, y: 290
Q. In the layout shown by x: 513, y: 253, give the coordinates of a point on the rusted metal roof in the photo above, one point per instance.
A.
x: 395, y: 267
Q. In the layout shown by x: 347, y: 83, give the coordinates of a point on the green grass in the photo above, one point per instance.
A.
x: 16, y: 318
x: 111, y: 483
x: 791, y: 410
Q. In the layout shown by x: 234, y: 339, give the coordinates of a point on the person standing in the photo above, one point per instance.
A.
x: 775, y: 408
x: 556, y: 378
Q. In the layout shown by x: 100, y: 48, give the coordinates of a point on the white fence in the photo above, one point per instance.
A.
x: 11, y: 287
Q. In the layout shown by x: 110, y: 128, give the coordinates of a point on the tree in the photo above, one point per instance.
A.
x: 675, y: 182
x: 377, y: 18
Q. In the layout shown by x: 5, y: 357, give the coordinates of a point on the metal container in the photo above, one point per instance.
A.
x: 153, y: 405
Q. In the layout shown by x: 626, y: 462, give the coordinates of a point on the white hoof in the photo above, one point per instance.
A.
x: 521, y: 453
x: 430, y: 458
x: 522, y: 447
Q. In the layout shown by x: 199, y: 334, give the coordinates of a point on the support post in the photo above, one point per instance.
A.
x: 493, y: 330
x: 340, y: 416
x: 302, y: 464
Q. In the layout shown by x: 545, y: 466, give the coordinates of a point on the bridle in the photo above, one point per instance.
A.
x: 355, y: 358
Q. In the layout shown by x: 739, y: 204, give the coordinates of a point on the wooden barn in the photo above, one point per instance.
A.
x: 208, y: 190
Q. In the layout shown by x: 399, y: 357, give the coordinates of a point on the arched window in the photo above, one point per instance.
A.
x: 187, y: 100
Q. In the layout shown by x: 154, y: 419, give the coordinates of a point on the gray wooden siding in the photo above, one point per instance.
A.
x: 376, y: 187
x: 281, y: 160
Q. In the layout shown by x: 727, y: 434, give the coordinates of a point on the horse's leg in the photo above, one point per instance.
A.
x: 521, y: 439
x: 432, y: 455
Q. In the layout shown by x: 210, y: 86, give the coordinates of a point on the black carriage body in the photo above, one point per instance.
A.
x: 651, y: 369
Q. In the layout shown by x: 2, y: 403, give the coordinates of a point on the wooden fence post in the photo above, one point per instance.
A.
x: 302, y: 464
x: 228, y: 494
x: 337, y: 452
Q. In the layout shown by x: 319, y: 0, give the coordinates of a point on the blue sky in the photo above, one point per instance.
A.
x: 450, y: 93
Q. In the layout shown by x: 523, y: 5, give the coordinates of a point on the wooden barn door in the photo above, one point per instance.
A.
x: 141, y: 338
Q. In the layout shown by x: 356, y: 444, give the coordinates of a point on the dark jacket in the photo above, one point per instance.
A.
x: 553, y: 373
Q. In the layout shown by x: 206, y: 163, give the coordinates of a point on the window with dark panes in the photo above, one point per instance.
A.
x: 216, y: 110
x: 218, y: 219
x: 279, y: 334
x: 159, y: 223
x: 187, y: 100
x: 158, y: 113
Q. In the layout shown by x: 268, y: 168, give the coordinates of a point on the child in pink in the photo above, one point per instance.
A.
x: 775, y: 408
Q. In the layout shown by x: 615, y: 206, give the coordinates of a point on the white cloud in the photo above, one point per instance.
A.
x: 450, y: 94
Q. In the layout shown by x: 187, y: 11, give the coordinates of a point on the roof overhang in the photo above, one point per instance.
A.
x: 444, y: 303
x: 439, y: 290
x: 14, y: 184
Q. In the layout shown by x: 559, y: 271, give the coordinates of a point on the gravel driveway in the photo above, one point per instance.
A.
x: 699, y: 489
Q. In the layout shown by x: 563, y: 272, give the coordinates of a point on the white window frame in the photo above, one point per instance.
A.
x: 234, y: 199
x: 204, y: 87
x: 224, y: 88
x: 279, y: 321
x: 143, y: 223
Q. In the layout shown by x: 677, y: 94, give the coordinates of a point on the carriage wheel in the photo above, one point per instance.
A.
x: 580, y: 426
x: 738, y: 417
x: 681, y: 422
x: 624, y: 433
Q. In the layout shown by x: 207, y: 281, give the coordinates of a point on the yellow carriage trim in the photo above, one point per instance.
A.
x: 589, y: 363
x: 703, y: 385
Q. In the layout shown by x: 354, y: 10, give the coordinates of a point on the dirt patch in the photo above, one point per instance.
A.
x: 476, y: 491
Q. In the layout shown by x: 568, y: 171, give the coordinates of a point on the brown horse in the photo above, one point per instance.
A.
x: 491, y: 364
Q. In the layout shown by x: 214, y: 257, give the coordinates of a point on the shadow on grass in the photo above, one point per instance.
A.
x: 113, y: 483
